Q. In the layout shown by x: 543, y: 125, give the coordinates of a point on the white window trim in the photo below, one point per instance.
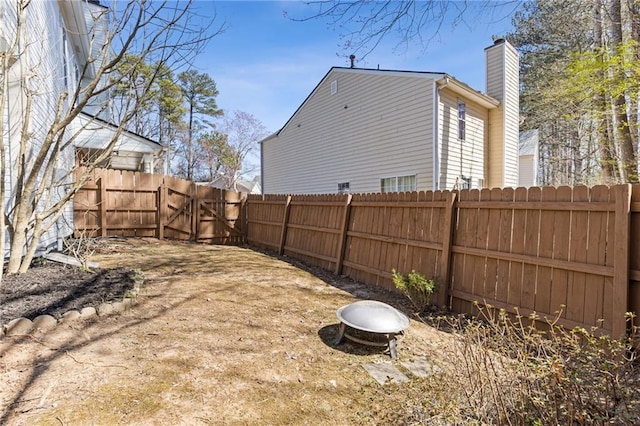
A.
x: 396, y: 177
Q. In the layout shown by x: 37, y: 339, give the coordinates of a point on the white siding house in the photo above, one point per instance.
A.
x: 52, y: 46
x: 528, y: 158
x: 365, y: 130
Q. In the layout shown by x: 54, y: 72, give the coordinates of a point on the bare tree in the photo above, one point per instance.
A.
x: 225, y: 152
x: 365, y: 24
x: 42, y: 162
x: 244, y: 131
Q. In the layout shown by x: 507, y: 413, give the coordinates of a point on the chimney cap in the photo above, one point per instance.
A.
x: 499, y: 40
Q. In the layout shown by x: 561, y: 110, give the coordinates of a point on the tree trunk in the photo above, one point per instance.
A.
x: 628, y: 158
x: 606, y: 149
x: 190, y: 144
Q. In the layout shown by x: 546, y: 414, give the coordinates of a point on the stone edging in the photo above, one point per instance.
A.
x: 23, y: 326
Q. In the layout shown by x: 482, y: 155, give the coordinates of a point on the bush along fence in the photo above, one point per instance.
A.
x: 133, y: 204
x: 547, y: 252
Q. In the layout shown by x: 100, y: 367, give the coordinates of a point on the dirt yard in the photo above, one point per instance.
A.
x: 218, y: 335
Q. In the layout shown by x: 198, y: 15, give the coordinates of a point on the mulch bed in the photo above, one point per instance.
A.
x: 54, y: 289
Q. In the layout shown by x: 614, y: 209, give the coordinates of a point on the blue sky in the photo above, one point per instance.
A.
x: 266, y: 64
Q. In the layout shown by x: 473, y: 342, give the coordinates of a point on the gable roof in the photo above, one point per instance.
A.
x: 443, y: 79
x: 147, y: 145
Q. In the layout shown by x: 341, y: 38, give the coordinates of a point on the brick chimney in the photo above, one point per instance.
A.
x: 503, y: 81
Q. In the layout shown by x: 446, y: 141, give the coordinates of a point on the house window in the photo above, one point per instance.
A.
x: 334, y: 87
x: 343, y: 187
x: 398, y: 184
x: 462, y: 120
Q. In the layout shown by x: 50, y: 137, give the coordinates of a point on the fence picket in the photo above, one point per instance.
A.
x: 535, y: 249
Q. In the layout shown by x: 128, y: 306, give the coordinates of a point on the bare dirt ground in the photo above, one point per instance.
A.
x: 219, y: 335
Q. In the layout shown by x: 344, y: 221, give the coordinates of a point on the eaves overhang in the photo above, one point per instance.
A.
x: 467, y: 91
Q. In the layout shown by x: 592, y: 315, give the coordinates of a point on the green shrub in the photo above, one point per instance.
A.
x: 416, y: 287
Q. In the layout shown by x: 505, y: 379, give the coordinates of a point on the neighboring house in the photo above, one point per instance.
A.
x: 368, y: 130
x: 55, y: 43
x: 131, y: 152
x: 528, y: 166
x: 242, y: 185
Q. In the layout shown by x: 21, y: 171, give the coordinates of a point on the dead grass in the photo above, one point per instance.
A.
x: 220, y: 335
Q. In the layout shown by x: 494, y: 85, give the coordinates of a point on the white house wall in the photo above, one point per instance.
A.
x: 527, y: 171
x: 461, y: 158
x: 97, y: 18
x: 44, y: 56
x: 503, y: 84
x: 374, y: 126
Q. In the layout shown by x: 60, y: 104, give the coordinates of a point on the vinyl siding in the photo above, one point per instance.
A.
x: 526, y: 171
x: 495, y: 88
x: 375, y: 126
x: 43, y: 55
x: 503, y: 85
x: 96, y: 18
x: 512, y: 116
x: 458, y: 158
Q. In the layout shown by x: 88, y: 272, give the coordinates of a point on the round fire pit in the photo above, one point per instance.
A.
x: 380, y: 321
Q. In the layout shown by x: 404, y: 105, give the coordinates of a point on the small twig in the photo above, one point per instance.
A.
x: 94, y: 364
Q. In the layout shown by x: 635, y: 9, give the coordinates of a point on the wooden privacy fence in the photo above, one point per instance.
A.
x: 133, y: 204
x: 541, y: 250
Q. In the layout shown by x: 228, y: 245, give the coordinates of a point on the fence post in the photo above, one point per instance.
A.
x: 244, y: 228
x: 285, y: 220
x: 195, y: 207
x: 163, y: 200
x: 342, y: 241
x: 621, y: 260
x: 447, y: 242
x: 103, y: 207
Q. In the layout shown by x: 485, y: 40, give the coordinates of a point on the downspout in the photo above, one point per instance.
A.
x: 436, y: 163
x: 262, y: 168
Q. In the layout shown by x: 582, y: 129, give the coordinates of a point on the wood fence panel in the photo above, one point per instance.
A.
x: 125, y: 208
x: 506, y: 235
x: 514, y: 298
x: 86, y: 213
x: 133, y: 204
x: 545, y: 250
x: 562, y: 239
x: 531, y: 238
x: 314, y: 229
x: 422, y: 259
x: 380, y: 220
x: 577, y: 280
x: 265, y: 218
x: 493, y: 243
x: 207, y: 210
x: 535, y: 249
x: 178, y: 224
x: 147, y: 185
x: 634, y: 256
x: 458, y: 280
x: 111, y: 203
x: 595, y: 285
x: 410, y: 254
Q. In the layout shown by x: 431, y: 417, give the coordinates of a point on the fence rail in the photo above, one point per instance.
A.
x: 572, y: 252
x: 133, y: 204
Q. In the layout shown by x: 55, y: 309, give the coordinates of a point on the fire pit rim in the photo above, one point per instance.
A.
x: 401, y: 320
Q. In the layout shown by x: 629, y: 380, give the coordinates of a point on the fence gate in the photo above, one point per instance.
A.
x: 133, y: 204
